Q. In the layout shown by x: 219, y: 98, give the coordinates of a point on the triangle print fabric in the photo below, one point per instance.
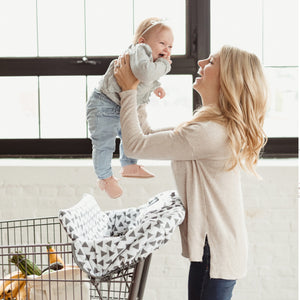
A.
x: 104, y: 241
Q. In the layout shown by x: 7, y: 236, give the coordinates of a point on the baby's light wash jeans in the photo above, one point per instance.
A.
x: 103, y: 117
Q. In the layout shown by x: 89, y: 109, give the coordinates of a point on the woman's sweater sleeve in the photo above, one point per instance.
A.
x: 169, y: 145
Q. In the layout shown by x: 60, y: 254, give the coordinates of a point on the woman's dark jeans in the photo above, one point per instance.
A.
x: 202, y: 287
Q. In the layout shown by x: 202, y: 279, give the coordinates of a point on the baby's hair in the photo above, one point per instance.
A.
x: 146, y: 26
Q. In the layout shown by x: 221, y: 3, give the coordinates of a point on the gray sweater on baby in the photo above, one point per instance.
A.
x: 143, y: 67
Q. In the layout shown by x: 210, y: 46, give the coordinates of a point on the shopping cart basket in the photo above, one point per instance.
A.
x: 31, y: 237
x: 25, y: 243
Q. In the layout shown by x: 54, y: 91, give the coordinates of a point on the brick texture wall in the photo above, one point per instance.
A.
x: 37, y: 188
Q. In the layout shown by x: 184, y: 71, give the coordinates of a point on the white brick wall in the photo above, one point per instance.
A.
x: 33, y: 188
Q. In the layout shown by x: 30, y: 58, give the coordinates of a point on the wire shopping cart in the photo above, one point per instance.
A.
x: 85, y: 253
x: 30, y: 237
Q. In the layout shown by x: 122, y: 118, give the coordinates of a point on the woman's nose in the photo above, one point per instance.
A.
x: 200, y: 63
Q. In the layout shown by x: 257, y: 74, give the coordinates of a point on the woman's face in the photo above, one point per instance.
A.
x: 208, y: 84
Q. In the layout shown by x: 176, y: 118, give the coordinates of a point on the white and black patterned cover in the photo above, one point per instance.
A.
x: 104, y: 241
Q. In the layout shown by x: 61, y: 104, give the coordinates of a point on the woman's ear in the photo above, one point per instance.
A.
x: 141, y: 40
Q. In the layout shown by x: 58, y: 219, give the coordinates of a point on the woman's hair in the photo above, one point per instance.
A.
x: 147, y: 26
x: 242, y: 106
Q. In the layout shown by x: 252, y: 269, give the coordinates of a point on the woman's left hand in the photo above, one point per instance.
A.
x: 123, y: 73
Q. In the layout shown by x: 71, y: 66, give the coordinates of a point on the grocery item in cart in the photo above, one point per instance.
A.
x: 61, y: 284
x: 25, y: 245
x: 104, y: 241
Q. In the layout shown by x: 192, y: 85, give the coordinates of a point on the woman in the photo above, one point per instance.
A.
x: 207, y: 152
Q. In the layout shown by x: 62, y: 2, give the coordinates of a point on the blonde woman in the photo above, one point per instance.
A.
x: 207, y: 153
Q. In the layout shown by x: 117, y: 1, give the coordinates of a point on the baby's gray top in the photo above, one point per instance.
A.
x: 143, y: 67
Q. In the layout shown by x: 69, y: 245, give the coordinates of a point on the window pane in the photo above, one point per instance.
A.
x: 280, y: 33
x: 61, y: 27
x: 173, y: 11
x: 63, y: 106
x: 176, y: 107
x: 109, y: 36
x: 18, y: 28
x: 109, y: 26
x: 240, y: 25
x: 19, y: 107
x: 282, y: 115
x: 92, y: 83
x: 268, y: 29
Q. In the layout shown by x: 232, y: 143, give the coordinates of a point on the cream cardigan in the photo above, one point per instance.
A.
x: 211, y: 195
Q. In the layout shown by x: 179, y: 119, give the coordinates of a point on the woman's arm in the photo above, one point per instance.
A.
x: 161, y: 145
x: 127, y: 81
x: 183, y: 144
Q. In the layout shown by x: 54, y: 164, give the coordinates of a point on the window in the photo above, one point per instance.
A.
x: 51, y: 59
x: 269, y: 30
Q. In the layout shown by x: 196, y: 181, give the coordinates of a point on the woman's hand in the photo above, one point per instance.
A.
x: 124, y: 75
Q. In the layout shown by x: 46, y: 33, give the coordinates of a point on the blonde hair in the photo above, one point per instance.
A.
x: 242, y: 106
x: 147, y: 26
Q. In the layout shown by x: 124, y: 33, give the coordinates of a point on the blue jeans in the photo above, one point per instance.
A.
x: 202, y: 287
x: 103, y: 116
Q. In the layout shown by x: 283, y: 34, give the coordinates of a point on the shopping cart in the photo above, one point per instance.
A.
x: 94, y: 254
x: 31, y: 237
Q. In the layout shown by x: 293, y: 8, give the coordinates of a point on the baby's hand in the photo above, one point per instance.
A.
x: 160, y: 92
x: 168, y: 58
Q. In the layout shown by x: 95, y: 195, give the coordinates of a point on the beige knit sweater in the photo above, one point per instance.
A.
x: 211, y: 195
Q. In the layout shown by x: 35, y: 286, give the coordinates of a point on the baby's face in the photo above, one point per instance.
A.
x: 161, y: 43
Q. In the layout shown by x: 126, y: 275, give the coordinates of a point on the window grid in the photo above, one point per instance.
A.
x: 197, y: 46
x: 39, y: 107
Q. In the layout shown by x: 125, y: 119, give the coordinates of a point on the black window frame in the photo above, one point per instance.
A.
x: 197, y: 47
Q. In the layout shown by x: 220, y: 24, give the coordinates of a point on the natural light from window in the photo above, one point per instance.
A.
x: 270, y: 30
x: 54, y: 106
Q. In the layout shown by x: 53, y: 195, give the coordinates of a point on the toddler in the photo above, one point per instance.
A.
x: 149, y: 59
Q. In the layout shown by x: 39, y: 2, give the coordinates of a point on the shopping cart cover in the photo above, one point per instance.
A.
x: 105, y: 241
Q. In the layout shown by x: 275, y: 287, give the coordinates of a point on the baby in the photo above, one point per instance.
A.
x: 149, y: 59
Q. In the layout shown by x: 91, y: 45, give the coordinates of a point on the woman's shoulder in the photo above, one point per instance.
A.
x: 208, y: 139
x: 206, y: 126
x: 207, y: 133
